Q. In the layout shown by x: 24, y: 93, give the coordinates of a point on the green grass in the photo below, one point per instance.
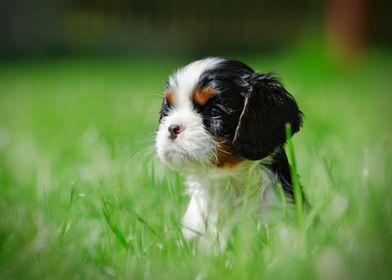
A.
x: 82, y: 195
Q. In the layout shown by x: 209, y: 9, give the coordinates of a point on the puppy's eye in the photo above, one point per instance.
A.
x: 216, y: 111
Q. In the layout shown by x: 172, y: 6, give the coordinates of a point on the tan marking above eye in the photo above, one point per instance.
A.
x: 169, y: 95
x: 202, y: 95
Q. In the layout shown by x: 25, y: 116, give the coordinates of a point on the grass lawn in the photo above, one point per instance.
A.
x: 83, y: 196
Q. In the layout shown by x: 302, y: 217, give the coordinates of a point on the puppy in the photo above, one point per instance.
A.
x: 222, y: 124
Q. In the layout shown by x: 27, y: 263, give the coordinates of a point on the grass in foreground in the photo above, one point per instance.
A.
x: 81, y: 195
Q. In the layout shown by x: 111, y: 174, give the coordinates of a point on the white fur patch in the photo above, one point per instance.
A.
x: 194, y: 146
x: 184, y: 80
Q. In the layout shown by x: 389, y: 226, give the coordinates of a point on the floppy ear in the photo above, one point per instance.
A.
x: 267, y: 109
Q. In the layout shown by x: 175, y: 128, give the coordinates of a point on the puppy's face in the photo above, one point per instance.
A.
x: 218, y: 112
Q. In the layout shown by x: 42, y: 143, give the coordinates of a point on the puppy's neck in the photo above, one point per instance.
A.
x: 265, y: 173
x: 236, y: 179
x: 236, y: 175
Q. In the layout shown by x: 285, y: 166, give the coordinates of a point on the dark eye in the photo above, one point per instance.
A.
x: 215, y: 112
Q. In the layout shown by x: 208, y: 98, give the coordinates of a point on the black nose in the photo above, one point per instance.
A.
x: 174, y: 130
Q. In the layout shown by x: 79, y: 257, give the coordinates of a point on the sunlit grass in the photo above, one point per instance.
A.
x: 82, y: 195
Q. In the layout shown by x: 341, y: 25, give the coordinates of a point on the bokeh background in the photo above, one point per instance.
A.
x: 121, y: 27
x: 82, y: 194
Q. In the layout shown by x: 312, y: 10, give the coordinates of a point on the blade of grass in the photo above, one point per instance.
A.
x: 144, y: 222
x: 294, y: 175
x: 283, y: 201
x: 116, y: 231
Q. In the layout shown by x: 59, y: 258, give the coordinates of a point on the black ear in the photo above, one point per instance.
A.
x: 267, y: 109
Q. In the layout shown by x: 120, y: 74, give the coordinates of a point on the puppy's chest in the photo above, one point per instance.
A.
x: 233, y: 189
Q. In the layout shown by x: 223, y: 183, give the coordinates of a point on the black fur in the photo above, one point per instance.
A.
x: 222, y: 112
x: 280, y: 165
x: 256, y: 127
x: 267, y: 109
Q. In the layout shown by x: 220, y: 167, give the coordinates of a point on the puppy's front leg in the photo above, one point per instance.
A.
x: 195, y: 218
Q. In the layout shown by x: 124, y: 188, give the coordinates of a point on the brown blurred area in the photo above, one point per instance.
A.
x: 117, y: 27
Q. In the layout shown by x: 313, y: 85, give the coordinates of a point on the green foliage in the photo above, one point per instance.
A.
x: 83, y: 196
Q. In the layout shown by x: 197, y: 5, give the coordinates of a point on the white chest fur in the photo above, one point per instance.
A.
x: 217, y: 196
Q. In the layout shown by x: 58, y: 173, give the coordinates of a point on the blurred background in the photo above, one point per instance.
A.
x: 81, y: 192
x: 123, y: 27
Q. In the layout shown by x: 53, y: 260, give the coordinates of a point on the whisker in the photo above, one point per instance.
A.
x: 145, y: 152
x: 223, y: 151
x: 216, y: 157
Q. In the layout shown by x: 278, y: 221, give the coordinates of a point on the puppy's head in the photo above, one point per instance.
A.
x: 219, y: 112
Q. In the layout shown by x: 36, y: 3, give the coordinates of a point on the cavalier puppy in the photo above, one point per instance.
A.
x: 221, y: 124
